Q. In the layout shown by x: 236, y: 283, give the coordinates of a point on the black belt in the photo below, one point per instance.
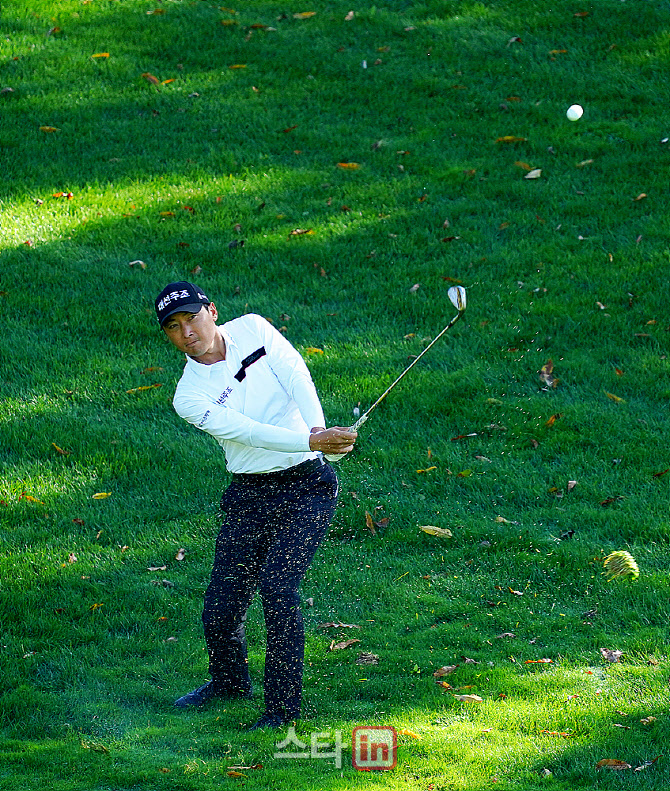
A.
x: 304, y: 468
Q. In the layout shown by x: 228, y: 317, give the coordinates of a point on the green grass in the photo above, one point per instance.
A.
x: 569, y: 267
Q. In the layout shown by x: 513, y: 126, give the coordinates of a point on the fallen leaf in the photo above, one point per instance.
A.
x: 553, y: 419
x: 348, y: 165
x: 367, y: 659
x: 138, y: 263
x: 338, y: 625
x: 49, y: 129
x: 313, y: 350
x: 582, y: 14
x: 60, y: 450
x: 150, y: 78
x: 503, y: 521
x: 301, y: 232
x: 619, y: 725
x: 542, y: 662
x: 101, y: 495
x: 613, y: 763
x: 157, y: 568
x: 436, y: 531
x: 238, y: 66
x: 534, y: 174
x: 143, y: 388
x: 646, y: 764
x: 547, y: 374
x: 344, y: 644
x: 349, y: 16
x: 469, y: 661
x: 78, y: 521
x: 304, y: 15
x: 444, y: 671
x: 413, y: 289
x: 516, y: 593
x: 407, y: 732
x: 611, y: 656
x: 557, y: 51
x: 152, y: 369
x: 428, y: 469
x: 584, y: 163
x: 511, y: 139
x: 181, y: 554
x: 96, y: 606
x: 469, y: 698
x: 523, y: 166
x: 648, y: 720
x: 100, y: 55
x: 571, y: 485
x: 511, y: 635
x: 621, y: 564
x: 614, y: 398
x: 233, y: 773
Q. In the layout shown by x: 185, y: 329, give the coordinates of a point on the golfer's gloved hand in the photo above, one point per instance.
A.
x: 336, y: 440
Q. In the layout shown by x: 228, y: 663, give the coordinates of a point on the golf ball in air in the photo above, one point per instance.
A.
x: 575, y: 112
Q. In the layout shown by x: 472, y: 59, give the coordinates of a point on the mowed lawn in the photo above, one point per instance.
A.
x: 335, y: 168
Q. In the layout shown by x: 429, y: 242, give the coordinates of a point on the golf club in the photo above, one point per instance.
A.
x: 458, y: 299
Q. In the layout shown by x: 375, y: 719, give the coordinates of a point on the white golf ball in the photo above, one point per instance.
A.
x: 575, y: 112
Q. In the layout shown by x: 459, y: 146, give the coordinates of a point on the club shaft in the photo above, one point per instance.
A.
x: 365, y: 416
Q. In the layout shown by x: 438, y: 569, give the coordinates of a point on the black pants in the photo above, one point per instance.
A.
x: 273, y: 526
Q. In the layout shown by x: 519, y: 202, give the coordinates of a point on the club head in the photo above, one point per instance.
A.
x: 457, y: 297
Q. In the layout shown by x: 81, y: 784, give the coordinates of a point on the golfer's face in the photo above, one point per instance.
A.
x: 193, y: 333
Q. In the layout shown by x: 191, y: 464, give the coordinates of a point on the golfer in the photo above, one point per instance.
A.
x: 250, y: 389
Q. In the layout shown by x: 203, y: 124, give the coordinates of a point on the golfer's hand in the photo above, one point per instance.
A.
x: 332, y: 440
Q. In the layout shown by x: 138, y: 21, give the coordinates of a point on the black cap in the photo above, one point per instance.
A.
x: 179, y: 297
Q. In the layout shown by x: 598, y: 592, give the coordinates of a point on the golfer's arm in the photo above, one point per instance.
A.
x: 226, y: 424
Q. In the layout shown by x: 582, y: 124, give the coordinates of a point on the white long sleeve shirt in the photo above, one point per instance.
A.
x: 259, y: 403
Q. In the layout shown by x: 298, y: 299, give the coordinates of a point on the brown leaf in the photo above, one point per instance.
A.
x: 511, y: 139
x: 301, y: 232
x: 49, y: 129
x: 553, y: 419
x: 60, y: 450
x: 367, y: 659
x: 150, y: 78
x: 304, y: 15
x: 611, y: 656
x: 348, y: 165
x: 547, y: 374
x: 338, y: 625
x: 78, y: 521
x: 444, y: 671
x: 341, y: 646
x: 613, y: 763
